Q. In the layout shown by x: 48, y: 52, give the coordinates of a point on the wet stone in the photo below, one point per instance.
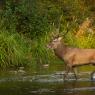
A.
x: 93, y: 76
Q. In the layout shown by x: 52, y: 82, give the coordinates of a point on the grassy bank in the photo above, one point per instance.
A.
x: 27, y: 25
x: 16, y: 51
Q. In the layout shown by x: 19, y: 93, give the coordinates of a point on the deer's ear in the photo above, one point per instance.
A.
x: 60, y: 38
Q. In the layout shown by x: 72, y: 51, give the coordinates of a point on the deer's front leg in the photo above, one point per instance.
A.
x: 74, y: 73
x: 67, y: 70
x: 72, y: 70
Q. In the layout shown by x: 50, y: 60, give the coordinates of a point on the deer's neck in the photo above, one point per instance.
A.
x: 60, y: 51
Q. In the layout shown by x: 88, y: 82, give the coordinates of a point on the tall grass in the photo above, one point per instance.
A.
x: 13, y: 50
x: 17, y: 50
x: 41, y: 53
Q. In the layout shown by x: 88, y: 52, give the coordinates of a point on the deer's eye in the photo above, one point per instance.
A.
x: 55, y: 40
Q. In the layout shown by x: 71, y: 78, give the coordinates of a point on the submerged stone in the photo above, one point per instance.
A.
x: 93, y: 76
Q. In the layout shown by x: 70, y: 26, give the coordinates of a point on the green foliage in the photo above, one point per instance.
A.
x: 24, y: 18
x: 86, y: 41
x: 26, y: 26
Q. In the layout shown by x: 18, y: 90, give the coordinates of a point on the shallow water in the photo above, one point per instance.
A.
x: 46, y: 84
x: 45, y: 81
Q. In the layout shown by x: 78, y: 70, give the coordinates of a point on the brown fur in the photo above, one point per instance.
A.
x: 72, y: 57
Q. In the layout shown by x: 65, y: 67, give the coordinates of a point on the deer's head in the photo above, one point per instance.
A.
x: 54, y: 43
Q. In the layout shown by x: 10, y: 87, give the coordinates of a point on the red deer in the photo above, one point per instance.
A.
x: 72, y: 57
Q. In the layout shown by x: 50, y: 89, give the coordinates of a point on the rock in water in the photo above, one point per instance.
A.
x: 93, y: 76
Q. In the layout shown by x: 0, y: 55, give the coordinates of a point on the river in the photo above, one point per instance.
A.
x: 52, y: 83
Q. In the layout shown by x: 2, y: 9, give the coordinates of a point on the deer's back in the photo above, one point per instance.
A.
x: 80, y: 56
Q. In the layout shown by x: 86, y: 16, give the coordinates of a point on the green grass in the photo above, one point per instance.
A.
x: 13, y: 50
x: 16, y: 50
